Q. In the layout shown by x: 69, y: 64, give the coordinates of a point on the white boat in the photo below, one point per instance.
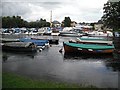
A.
x: 34, y: 32
x: 72, y: 32
x: 41, y: 31
x: 47, y: 31
x: 55, y: 32
x: 6, y: 32
x: 100, y: 34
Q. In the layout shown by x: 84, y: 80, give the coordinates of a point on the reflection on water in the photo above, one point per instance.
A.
x: 113, y: 65
x: 110, y: 62
x: 87, y: 56
x: 7, y: 55
x: 50, y: 64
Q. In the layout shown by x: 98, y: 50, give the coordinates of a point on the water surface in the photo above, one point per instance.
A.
x: 50, y: 64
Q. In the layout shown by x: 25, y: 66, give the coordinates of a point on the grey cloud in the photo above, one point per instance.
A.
x: 61, y: 8
x: 22, y: 8
x: 48, y: 5
x: 10, y: 8
x: 35, y: 0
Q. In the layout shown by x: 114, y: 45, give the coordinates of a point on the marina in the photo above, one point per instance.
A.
x: 51, y: 64
x: 60, y: 44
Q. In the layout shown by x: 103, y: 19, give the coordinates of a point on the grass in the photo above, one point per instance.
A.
x: 10, y: 80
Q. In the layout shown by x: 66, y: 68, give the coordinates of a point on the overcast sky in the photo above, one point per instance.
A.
x: 77, y: 10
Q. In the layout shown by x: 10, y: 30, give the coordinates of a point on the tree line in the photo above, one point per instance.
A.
x: 18, y: 22
x: 111, y: 16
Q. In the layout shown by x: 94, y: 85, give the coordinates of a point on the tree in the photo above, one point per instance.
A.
x: 17, y: 21
x: 67, y: 22
x: 111, y: 16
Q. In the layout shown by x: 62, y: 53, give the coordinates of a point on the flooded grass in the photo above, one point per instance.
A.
x: 11, y: 80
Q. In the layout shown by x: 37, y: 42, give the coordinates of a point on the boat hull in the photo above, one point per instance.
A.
x: 18, y: 48
x: 72, y: 49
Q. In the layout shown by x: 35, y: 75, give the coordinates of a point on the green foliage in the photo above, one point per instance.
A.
x: 67, y: 22
x: 10, y: 80
x: 93, y: 25
x: 17, y: 21
x: 111, y: 17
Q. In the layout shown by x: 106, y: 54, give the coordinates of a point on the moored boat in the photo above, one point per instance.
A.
x: 101, y: 42
x: 100, y: 34
x: 38, y: 42
x: 19, y: 46
x: 4, y: 40
x: 51, y: 41
x: 93, y: 38
x: 87, y: 48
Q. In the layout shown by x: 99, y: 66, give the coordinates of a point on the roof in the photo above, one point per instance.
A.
x: 56, y: 22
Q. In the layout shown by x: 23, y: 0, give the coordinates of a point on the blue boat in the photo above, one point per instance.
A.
x: 40, y: 42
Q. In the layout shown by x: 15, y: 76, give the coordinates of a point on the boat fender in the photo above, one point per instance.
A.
x: 79, y: 49
x: 90, y: 50
x: 40, y: 49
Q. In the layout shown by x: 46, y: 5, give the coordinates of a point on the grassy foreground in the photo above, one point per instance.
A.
x: 10, y: 80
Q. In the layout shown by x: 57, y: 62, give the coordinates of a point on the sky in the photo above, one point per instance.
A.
x: 32, y: 10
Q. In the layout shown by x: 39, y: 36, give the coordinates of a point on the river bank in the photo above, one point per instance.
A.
x: 11, y: 80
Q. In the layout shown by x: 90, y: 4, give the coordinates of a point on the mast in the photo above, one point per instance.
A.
x: 51, y: 18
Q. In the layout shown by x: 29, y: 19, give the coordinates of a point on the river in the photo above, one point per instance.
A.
x: 50, y: 64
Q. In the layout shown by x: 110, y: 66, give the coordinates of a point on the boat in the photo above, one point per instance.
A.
x: 41, y: 31
x: 4, y: 40
x: 55, y: 32
x: 93, y: 38
x: 19, y: 46
x: 32, y: 31
x: 38, y: 42
x: 100, y: 34
x: 6, y: 32
x: 51, y: 41
x: 47, y: 31
x: 71, y: 33
x: 101, y: 42
x: 87, y: 48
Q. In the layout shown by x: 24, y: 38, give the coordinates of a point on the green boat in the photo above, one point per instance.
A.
x: 87, y: 48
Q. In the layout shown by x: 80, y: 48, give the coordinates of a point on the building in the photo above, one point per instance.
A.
x: 56, y: 23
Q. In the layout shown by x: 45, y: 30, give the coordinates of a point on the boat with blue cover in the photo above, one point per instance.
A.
x: 87, y: 48
x: 40, y: 42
